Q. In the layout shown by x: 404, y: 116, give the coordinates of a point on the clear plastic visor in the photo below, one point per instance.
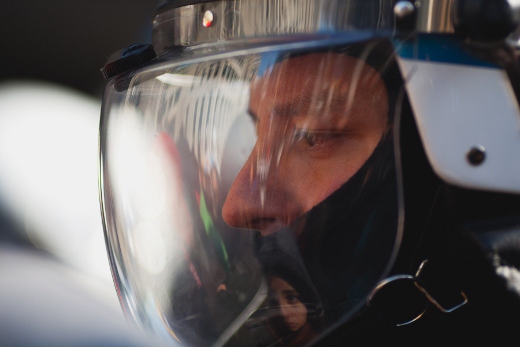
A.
x: 250, y: 198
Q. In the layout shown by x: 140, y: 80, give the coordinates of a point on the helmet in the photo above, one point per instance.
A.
x: 289, y: 173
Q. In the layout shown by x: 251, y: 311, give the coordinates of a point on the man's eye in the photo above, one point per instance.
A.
x: 311, y: 139
x: 315, y: 139
x: 306, y: 137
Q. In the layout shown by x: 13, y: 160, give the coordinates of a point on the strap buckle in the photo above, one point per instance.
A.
x: 404, y: 299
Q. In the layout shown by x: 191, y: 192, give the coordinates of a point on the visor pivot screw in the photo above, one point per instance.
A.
x: 208, y: 18
x: 405, y: 16
x: 403, y: 9
x: 476, y: 155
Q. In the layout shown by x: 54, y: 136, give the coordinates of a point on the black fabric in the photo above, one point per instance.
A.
x: 469, y: 235
x: 346, y: 241
x: 348, y: 238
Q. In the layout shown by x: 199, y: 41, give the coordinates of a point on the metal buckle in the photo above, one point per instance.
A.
x: 403, y: 299
x: 439, y: 290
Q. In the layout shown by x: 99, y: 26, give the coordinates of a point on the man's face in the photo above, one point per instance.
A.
x: 318, y: 119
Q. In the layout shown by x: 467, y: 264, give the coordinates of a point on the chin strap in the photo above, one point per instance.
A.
x: 403, y: 299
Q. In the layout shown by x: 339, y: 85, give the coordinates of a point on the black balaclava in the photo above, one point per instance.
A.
x: 345, y: 242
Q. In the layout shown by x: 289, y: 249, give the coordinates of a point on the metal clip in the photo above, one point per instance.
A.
x: 403, y: 299
x: 438, y: 288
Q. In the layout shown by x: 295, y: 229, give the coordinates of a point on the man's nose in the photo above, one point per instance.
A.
x: 257, y: 198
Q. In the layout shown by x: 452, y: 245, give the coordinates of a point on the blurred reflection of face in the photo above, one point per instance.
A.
x: 318, y: 119
x: 293, y: 311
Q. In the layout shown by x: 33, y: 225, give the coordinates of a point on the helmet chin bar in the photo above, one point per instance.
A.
x: 403, y: 299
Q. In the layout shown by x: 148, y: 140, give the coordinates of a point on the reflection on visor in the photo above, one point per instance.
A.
x: 251, y: 200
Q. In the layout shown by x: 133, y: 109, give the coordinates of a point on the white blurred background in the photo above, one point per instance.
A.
x: 55, y: 282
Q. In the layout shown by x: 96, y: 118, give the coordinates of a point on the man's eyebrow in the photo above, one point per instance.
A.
x: 301, y: 106
x: 295, y: 107
x: 289, y: 109
x: 286, y: 110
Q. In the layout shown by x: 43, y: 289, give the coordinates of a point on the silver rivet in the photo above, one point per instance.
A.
x: 207, y: 20
x: 476, y: 155
x: 403, y: 9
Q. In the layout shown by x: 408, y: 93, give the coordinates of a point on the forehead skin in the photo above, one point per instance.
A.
x: 325, y: 87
